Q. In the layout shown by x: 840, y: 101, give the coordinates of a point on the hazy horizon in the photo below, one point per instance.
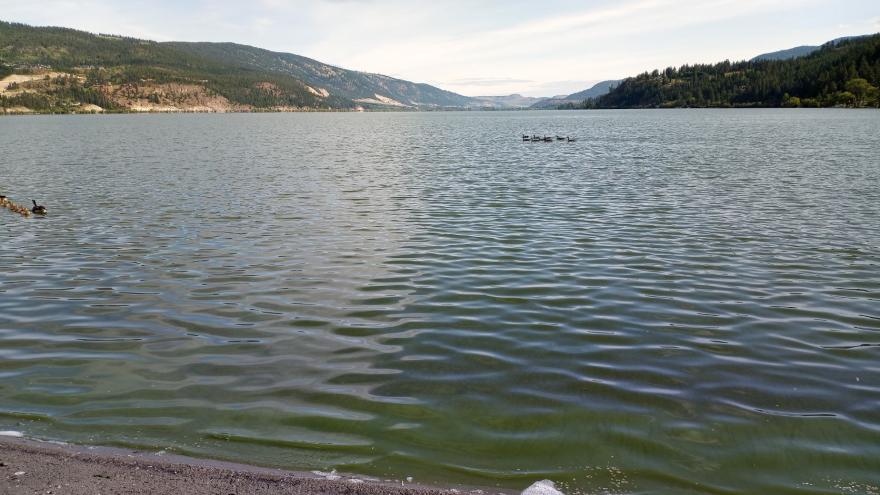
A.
x: 482, y: 50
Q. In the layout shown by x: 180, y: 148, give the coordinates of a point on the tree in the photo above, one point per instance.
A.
x: 844, y: 98
x: 860, y: 89
x: 874, y: 97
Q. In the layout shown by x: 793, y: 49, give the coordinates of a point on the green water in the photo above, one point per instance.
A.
x: 680, y: 302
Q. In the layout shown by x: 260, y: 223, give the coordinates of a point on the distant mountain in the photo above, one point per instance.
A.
x: 578, y: 98
x: 509, y: 101
x: 80, y: 70
x: 597, y: 90
x: 799, y: 51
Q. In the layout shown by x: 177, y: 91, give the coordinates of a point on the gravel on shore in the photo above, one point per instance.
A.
x: 31, y: 467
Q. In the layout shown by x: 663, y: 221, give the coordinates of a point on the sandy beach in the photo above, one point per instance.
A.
x: 31, y: 467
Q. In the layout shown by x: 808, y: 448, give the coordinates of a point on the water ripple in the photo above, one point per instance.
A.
x: 681, y: 302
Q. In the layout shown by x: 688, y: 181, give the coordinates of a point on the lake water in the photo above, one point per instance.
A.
x: 679, y: 302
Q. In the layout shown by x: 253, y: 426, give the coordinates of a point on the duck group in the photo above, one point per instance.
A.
x: 24, y: 211
x: 547, y: 139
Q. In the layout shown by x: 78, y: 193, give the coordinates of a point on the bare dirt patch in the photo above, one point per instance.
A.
x: 170, y: 97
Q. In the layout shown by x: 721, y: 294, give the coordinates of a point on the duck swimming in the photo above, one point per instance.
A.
x: 14, y: 208
x: 38, y: 209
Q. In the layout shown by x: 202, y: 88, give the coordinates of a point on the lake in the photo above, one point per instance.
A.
x: 682, y: 301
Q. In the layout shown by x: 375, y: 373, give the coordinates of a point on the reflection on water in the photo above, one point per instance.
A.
x: 682, y: 301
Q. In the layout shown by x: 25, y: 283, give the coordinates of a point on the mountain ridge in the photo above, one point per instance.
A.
x: 119, y: 73
x: 801, y: 51
x: 352, y: 84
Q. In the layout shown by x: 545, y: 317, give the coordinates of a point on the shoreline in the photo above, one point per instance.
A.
x: 459, y: 110
x: 29, y: 466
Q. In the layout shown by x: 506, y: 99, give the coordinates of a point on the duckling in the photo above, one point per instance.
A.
x: 38, y: 209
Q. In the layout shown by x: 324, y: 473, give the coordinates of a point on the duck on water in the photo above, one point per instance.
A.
x: 547, y: 139
x: 38, y: 209
x: 14, y: 208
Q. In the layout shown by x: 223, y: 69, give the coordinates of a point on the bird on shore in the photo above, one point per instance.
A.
x: 38, y: 209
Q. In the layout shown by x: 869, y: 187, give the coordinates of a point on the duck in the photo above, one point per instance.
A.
x: 571, y: 139
x: 559, y: 138
x: 38, y: 209
x: 548, y: 139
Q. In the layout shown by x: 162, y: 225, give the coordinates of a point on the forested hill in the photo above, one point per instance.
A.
x: 121, y: 73
x: 846, y: 73
x: 349, y: 84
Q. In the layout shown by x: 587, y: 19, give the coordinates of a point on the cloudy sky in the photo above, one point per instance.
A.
x: 485, y: 47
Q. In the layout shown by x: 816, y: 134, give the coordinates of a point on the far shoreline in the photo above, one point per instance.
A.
x: 462, y: 110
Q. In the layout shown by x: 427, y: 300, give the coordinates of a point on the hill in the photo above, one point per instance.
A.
x: 505, y: 102
x: 578, y: 98
x: 840, y: 73
x: 361, y: 87
x: 80, y: 70
x: 595, y: 91
x: 801, y: 51
x: 798, y: 51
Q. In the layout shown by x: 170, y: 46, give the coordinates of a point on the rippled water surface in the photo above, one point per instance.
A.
x: 680, y: 302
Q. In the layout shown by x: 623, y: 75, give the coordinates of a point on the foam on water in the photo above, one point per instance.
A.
x: 543, y: 487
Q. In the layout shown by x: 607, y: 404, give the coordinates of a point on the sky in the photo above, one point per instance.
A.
x: 478, y: 47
